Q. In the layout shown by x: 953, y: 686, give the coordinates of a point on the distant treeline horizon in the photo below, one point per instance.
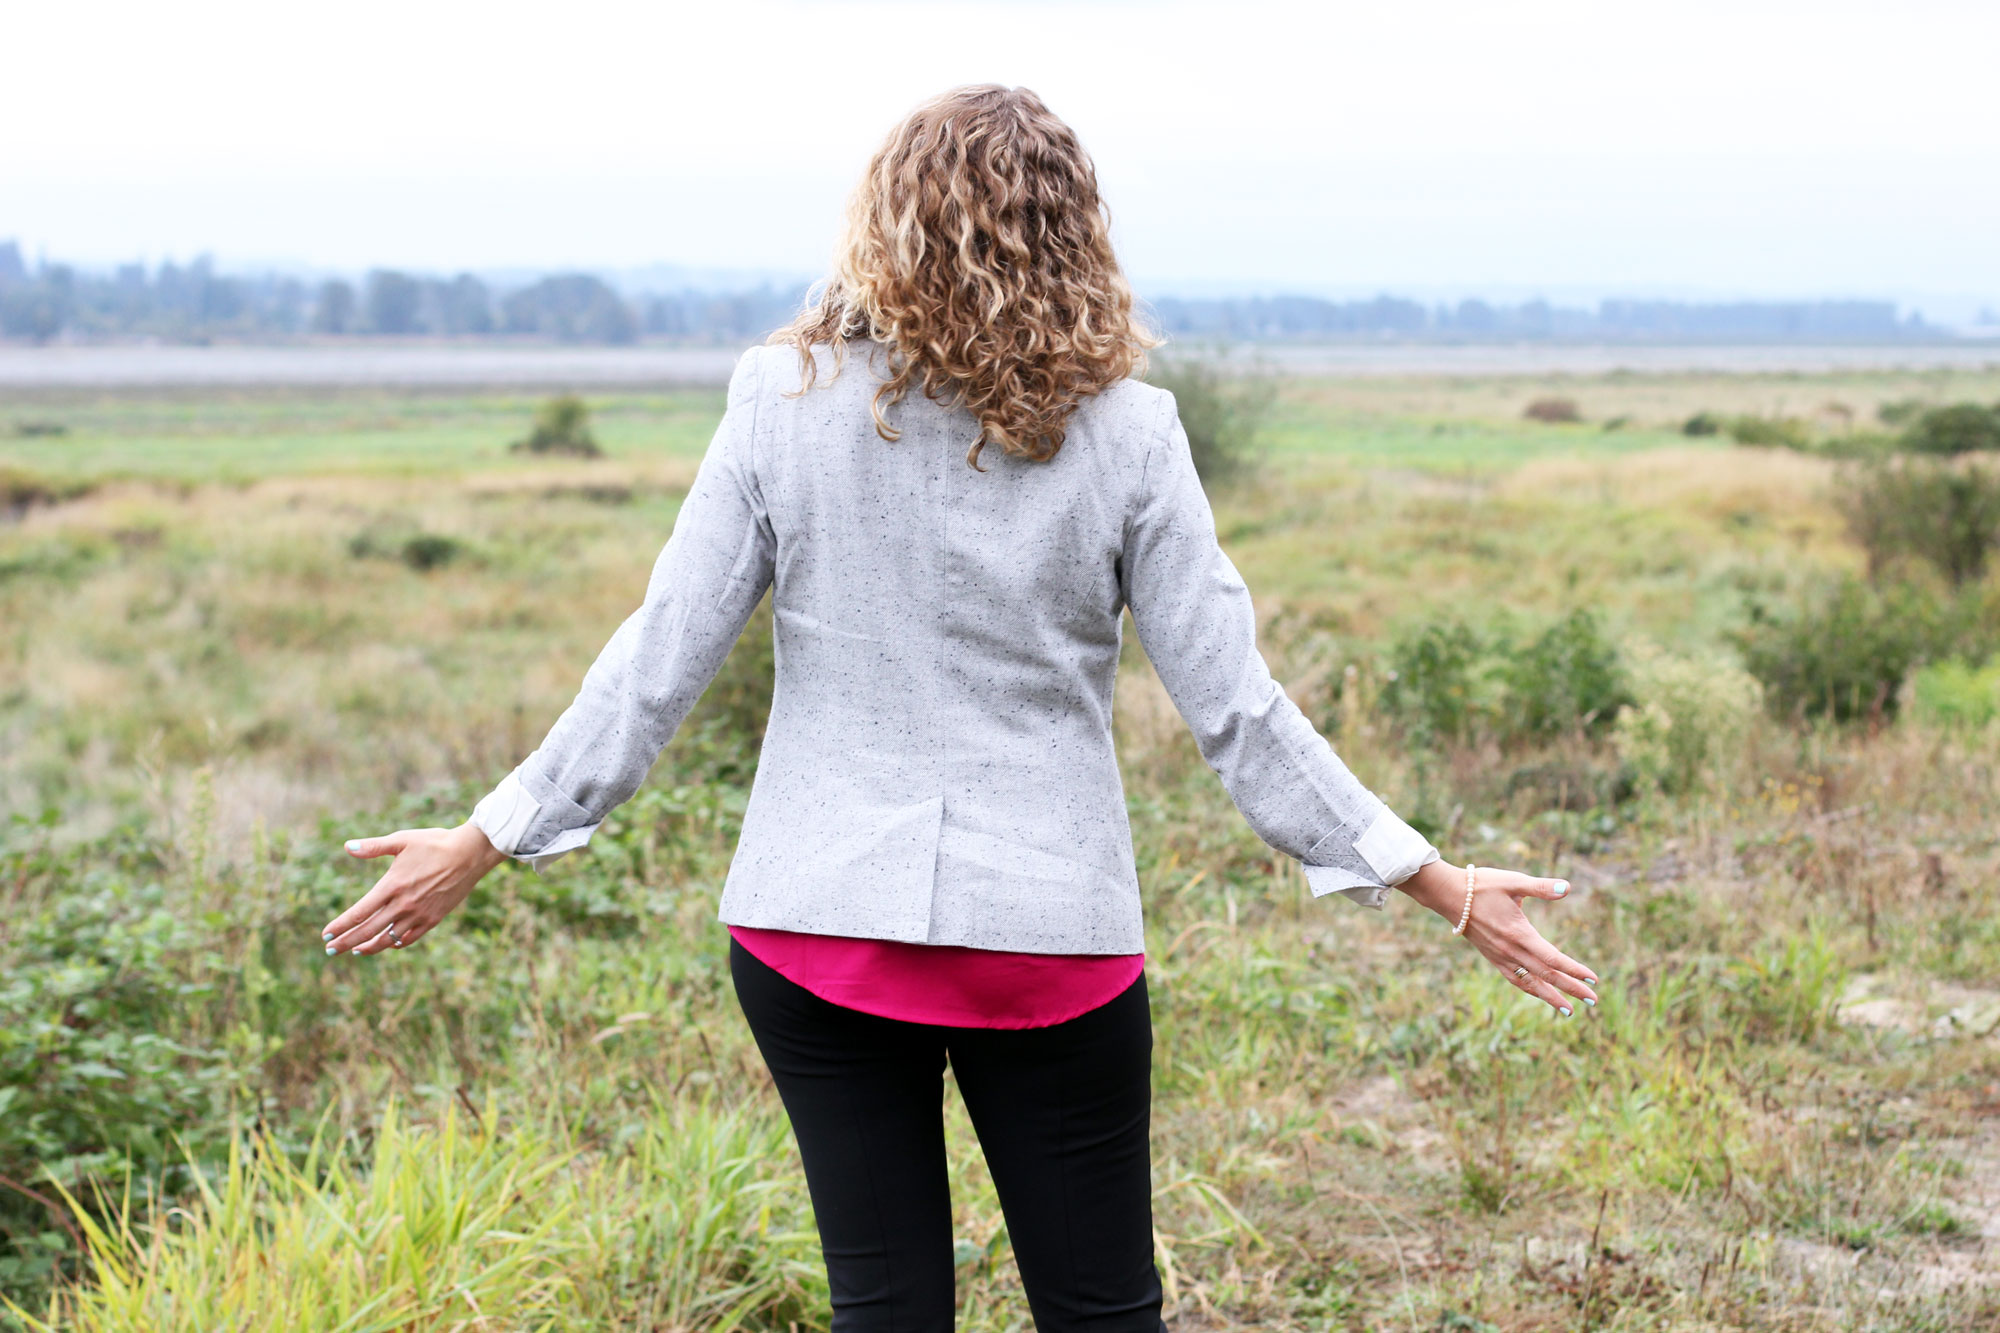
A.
x: 194, y: 302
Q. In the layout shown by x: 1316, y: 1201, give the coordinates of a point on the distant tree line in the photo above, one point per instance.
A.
x: 1389, y: 317
x: 192, y: 302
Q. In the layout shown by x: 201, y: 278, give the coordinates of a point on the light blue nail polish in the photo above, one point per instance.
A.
x: 1592, y: 1003
x: 330, y: 949
x: 326, y: 934
x: 352, y: 843
x: 1565, y: 1013
x: 1562, y: 887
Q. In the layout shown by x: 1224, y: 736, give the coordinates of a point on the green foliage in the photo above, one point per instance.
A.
x: 1901, y: 411
x: 1770, y: 432
x: 1686, y: 720
x: 1787, y: 992
x: 421, y: 551
x: 441, y: 1225
x: 1844, y: 652
x: 1553, y: 411
x: 1448, y: 682
x: 1957, y: 694
x: 1566, y: 679
x: 562, y: 426
x: 1434, y: 678
x: 1223, y: 413
x: 21, y: 489
x: 1702, y: 423
x: 1947, y: 516
x: 1962, y: 428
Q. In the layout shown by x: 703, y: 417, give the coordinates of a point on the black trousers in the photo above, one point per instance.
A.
x: 1062, y: 1115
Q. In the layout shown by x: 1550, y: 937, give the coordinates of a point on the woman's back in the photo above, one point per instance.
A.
x: 947, y: 643
x: 938, y: 767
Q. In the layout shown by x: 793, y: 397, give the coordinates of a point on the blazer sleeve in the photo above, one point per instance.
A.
x: 1197, y: 625
x: 706, y: 582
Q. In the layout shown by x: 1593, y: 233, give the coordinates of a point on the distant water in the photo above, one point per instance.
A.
x: 638, y: 367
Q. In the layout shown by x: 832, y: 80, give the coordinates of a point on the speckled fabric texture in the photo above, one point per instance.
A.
x: 938, y: 767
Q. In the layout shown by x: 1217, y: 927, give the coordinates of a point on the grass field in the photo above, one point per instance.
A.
x: 237, y: 629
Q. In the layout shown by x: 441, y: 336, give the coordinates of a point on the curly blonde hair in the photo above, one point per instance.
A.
x: 977, y: 251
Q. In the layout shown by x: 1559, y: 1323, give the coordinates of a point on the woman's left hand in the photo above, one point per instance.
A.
x: 434, y: 871
x: 1499, y: 929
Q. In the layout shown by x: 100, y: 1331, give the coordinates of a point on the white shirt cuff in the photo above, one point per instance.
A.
x: 1393, y: 849
x: 507, y: 812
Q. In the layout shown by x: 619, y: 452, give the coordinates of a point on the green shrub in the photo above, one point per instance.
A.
x: 1702, y: 423
x: 1554, y: 411
x: 1432, y: 680
x: 1448, y: 682
x: 1900, y: 412
x: 562, y: 426
x: 430, y: 550
x: 1956, y: 694
x: 1845, y: 652
x: 1686, y: 719
x: 1568, y: 678
x: 421, y: 551
x: 1962, y: 428
x: 1223, y: 413
x: 1947, y: 516
x: 1770, y: 432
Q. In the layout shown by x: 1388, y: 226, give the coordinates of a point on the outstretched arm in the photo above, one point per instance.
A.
x: 1198, y: 627
x: 705, y: 584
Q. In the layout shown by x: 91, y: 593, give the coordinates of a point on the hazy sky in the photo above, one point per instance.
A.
x: 1746, y: 148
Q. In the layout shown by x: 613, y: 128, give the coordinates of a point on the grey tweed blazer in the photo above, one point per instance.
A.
x: 938, y: 765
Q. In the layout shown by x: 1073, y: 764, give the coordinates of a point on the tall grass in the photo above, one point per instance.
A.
x: 550, y: 1115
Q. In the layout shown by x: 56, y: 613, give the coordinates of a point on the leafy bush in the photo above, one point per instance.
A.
x: 1963, y: 428
x: 1447, y: 682
x: 1702, y: 423
x: 1223, y: 413
x: 19, y: 490
x: 1567, y: 679
x: 1954, y: 693
x: 1846, y: 651
x: 1900, y: 412
x: 1555, y: 411
x: 1919, y: 509
x: 421, y: 551
x: 1686, y: 718
x: 34, y: 430
x: 1432, y: 679
x: 562, y: 426
x: 1770, y: 432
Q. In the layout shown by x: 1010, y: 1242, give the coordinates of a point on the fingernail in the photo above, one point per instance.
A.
x: 330, y: 949
x: 326, y: 934
x: 1562, y: 887
x: 1565, y: 1011
x: 352, y: 843
x: 1592, y: 1003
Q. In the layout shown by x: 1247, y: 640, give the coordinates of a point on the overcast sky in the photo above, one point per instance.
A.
x: 1745, y: 148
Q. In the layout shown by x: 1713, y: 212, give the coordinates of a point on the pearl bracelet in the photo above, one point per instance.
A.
x: 1471, y: 883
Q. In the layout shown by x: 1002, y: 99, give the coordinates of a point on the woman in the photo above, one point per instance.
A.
x: 952, y: 485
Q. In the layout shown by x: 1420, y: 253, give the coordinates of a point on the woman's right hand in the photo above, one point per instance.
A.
x: 433, y: 872
x: 1500, y: 929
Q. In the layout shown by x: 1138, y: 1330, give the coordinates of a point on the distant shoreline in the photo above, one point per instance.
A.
x: 534, y: 367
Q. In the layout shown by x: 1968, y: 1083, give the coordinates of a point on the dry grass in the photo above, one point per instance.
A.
x: 1785, y: 1115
